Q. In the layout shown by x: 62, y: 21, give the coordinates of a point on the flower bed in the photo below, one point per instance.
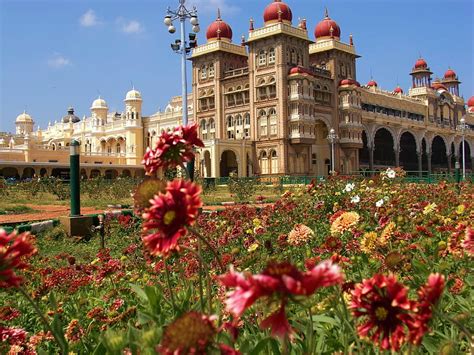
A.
x: 338, y: 266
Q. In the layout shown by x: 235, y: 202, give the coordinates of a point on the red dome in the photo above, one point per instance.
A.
x: 470, y: 102
x: 398, y: 90
x: 323, y: 28
x: 219, y: 30
x: 437, y: 86
x: 277, y: 11
x: 300, y: 70
x: 348, y: 81
x: 421, y: 64
x: 372, y: 83
x: 450, y: 74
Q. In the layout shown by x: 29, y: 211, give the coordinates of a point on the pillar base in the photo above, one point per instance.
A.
x: 78, y: 226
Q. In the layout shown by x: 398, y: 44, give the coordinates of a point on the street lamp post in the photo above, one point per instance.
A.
x: 332, y: 138
x: 462, y: 127
x: 182, y: 47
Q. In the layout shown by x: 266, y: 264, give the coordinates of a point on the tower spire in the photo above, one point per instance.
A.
x: 218, y: 13
x: 326, y: 12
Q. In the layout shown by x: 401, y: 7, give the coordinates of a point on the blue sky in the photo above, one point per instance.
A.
x: 58, y: 53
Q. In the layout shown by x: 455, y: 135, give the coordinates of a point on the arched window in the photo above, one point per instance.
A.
x: 238, y: 118
x: 274, y: 162
x: 273, y: 121
x: 271, y: 56
x: 247, y: 119
x: 118, y: 148
x: 230, y: 127
x: 264, y: 162
x: 212, y: 124
x: 263, y: 123
x: 262, y: 58
x: 211, y: 70
x: 203, y: 72
x: 294, y: 59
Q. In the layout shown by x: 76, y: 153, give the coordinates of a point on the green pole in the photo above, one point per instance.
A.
x: 75, y: 179
x: 458, y: 173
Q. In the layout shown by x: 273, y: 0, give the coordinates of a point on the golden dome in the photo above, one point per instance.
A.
x: 133, y: 95
x: 99, y: 103
x: 24, y: 117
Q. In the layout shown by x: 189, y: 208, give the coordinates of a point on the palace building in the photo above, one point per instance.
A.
x: 265, y: 106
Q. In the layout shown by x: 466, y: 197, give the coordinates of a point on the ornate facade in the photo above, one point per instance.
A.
x: 264, y: 106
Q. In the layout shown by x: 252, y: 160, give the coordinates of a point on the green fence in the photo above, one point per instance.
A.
x: 411, y: 176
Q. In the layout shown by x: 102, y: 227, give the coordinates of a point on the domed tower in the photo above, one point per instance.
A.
x: 276, y: 12
x: 24, y: 123
x: 219, y: 30
x: 99, y: 111
x: 327, y: 29
x: 421, y: 74
x: 451, y: 82
x: 133, y: 105
x: 70, y: 117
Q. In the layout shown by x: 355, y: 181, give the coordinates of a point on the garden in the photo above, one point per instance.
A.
x: 340, y: 266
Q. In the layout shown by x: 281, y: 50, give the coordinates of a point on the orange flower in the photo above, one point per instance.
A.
x: 345, y: 222
x: 299, y: 235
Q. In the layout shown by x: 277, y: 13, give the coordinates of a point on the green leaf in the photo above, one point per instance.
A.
x: 261, y: 346
x: 325, y: 319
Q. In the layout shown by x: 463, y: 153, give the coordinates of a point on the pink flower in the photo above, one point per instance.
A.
x: 169, y: 214
x: 281, y: 280
x: 14, y: 249
x: 172, y: 149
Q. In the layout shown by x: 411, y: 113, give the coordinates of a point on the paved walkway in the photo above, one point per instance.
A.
x: 46, y: 212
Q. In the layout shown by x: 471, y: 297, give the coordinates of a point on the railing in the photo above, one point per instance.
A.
x: 411, y: 176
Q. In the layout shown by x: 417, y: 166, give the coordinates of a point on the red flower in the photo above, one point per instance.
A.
x: 383, y: 304
x: 428, y: 296
x: 14, y: 249
x: 278, y: 279
x: 172, y: 149
x: 14, y: 336
x: 468, y: 242
x: 169, y: 214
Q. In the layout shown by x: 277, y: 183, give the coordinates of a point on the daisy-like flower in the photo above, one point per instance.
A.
x: 391, y: 174
x: 349, y: 187
x: 299, y: 235
x: 379, y: 203
x: 468, y: 242
x: 169, y: 214
x: 355, y: 199
x: 344, y: 222
x: 191, y: 333
x: 382, y: 305
x: 14, y: 249
x: 368, y: 242
x: 74, y: 331
x: 172, y: 149
x: 280, y: 280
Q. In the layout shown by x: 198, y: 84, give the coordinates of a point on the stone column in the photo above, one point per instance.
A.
x: 420, y: 162
x: 429, y: 162
x: 448, y: 158
x: 371, y: 158
x: 397, y: 156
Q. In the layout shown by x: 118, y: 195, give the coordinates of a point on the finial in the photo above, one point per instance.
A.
x: 326, y: 13
x: 279, y: 13
x: 251, y: 24
x: 303, y: 24
x: 218, y: 13
x: 351, y: 40
x: 331, y: 31
x: 242, y: 40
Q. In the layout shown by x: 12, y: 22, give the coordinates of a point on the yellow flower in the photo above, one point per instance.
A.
x: 368, y: 242
x: 460, y: 209
x: 344, y: 222
x: 253, y: 247
x: 256, y: 222
x: 337, y: 193
x: 386, y: 233
x: 429, y: 208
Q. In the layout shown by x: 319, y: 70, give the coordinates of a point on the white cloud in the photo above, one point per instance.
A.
x: 89, y: 19
x: 58, y: 61
x: 130, y: 26
x: 211, y: 6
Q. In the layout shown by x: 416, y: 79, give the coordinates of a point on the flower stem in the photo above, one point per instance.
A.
x: 38, y: 311
x: 168, y: 281
x: 201, y: 287
x: 211, y: 248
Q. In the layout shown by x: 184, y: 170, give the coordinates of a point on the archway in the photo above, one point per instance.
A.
x: 229, y: 163
x: 408, y: 156
x: 83, y: 174
x: 424, y: 156
x: 111, y: 174
x: 439, y: 159
x: 207, y: 164
x: 384, y: 153
x: 364, y: 157
x: 28, y: 173
x: 94, y: 173
x: 126, y: 173
x: 61, y: 173
x: 467, y: 155
x: 43, y: 172
x: 10, y: 172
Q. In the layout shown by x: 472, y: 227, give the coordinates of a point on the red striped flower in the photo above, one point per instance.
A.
x: 14, y: 248
x: 169, y: 214
x: 280, y: 280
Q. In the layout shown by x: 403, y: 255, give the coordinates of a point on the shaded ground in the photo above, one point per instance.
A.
x: 46, y: 212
